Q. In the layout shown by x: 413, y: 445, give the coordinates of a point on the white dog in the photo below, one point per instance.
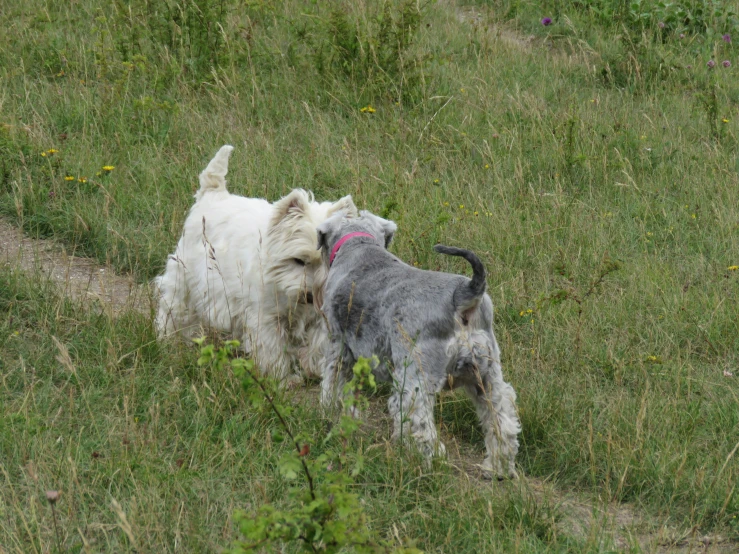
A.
x: 251, y: 269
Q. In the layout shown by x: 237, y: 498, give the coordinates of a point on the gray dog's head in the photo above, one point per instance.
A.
x: 335, y: 227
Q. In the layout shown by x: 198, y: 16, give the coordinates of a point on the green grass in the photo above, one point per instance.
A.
x: 131, y: 421
x: 591, y: 142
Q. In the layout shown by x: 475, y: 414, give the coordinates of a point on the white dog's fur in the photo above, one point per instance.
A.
x: 251, y: 269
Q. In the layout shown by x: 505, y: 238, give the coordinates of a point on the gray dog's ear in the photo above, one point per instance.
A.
x: 321, y: 238
x: 328, y: 228
x: 322, y: 232
x: 388, y: 227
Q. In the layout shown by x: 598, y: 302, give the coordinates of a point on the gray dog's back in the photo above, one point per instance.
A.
x: 378, y: 292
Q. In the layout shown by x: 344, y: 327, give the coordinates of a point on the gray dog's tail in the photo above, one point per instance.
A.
x: 468, y: 295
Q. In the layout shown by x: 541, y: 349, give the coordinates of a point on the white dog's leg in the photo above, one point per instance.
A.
x: 270, y: 351
x: 412, y: 409
x: 172, y: 313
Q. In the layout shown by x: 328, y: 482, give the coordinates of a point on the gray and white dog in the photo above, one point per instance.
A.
x: 430, y: 331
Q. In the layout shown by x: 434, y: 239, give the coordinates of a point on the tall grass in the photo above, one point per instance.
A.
x: 550, y: 156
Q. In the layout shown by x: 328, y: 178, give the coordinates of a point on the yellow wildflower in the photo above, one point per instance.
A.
x: 108, y: 167
x: 436, y: 181
x: 69, y: 178
x: 43, y: 154
x: 82, y: 179
x: 692, y: 215
x: 368, y: 109
x: 476, y: 214
x: 446, y: 204
x: 461, y: 206
x: 725, y: 120
x: 733, y: 267
x: 487, y: 166
x: 52, y: 151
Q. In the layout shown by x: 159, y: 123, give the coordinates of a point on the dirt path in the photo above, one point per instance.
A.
x: 85, y: 280
x: 80, y: 278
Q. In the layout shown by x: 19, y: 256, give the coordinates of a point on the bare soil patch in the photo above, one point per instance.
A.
x: 79, y: 278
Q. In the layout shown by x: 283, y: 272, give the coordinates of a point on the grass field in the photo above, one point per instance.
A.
x: 591, y: 163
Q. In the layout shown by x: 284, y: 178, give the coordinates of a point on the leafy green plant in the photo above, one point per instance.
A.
x: 322, y: 515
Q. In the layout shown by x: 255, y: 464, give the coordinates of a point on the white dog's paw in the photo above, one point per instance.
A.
x: 294, y: 382
x: 354, y: 412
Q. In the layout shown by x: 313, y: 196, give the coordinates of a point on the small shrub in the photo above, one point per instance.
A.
x: 322, y: 515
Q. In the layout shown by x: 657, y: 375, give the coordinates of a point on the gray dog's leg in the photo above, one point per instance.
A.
x: 495, y: 401
x: 339, y: 364
x: 412, y: 409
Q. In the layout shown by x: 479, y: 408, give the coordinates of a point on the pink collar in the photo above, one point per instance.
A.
x: 342, y: 240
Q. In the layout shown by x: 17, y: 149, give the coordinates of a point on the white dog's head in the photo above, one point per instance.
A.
x: 294, y: 263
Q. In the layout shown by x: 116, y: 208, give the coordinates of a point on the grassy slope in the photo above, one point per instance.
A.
x: 524, y: 153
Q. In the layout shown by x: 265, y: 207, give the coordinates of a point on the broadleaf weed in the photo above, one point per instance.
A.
x: 324, y: 515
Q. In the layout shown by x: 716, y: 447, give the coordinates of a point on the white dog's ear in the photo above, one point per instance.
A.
x: 345, y: 204
x: 388, y: 227
x: 296, y: 203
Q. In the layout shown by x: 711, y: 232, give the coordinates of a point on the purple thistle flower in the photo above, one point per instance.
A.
x: 682, y: 35
x: 546, y: 21
x: 726, y: 37
x: 661, y: 24
x: 711, y: 64
x: 726, y: 63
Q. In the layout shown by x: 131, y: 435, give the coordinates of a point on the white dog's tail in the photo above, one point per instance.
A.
x: 213, y: 177
x: 467, y: 296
